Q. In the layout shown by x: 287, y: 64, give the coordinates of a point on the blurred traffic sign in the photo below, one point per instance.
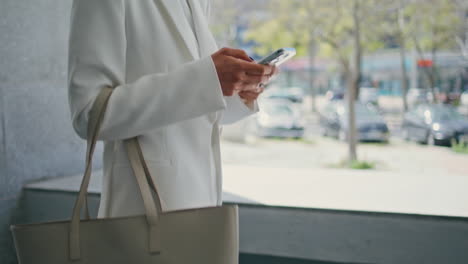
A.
x: 424, y: 63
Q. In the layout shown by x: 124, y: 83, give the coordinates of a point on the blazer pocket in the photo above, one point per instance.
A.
x: 161, y: 168
x: 154, y: 147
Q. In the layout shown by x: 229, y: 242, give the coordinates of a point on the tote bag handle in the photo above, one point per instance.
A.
x: 152, y: 207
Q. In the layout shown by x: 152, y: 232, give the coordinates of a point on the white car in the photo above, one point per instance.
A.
x: 464, y: 98
x: 416, y: 96
x: 278, y: 118
x: 369, y: 95
x: 464, y: 103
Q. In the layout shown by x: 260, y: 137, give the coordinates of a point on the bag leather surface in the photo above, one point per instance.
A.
x: 205, y: 235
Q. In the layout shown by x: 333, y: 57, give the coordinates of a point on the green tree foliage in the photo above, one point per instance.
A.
x: 344, y: 30
x: 432, y: 25
x: 296, y: 23
x: 223, y: 20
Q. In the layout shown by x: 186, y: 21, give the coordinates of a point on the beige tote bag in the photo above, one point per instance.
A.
x: 196, y: 236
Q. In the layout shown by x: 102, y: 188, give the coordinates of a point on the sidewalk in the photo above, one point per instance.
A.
x: 336, y: 189
x: 376, y: 191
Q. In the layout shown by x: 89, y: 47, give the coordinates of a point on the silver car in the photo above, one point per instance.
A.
x: 416, y: 96
x: 370, y: 124
x: 278, y: 118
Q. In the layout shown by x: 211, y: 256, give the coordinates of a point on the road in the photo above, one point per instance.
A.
x: 399, y: 157
x: 315, y: 151
x: 408, y: 177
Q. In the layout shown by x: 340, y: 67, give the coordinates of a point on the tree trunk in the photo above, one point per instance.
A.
x: 289, y: 79
x: 428, y: 73
x: 432, y: 75
x: 354, y: 75
x: 432, y: 83
x: 357, y: 60
x: 313, y: 91
x: 404, y: 76
x: 350, y: 104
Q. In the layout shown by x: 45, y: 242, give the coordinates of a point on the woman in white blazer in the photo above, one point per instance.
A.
x: 172, y: 89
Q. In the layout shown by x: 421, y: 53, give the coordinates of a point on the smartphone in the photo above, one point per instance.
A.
x: 278, y: 57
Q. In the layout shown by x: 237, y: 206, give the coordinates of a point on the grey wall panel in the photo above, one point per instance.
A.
x: 37, y: 206
x: 353, y: 236
x: 7, y: 254
x: 38, y: 134
x: 33, y: 34
x: 42, y: 205
x: 37, y: 139
x: 3, y: 167
x: 302, y: 236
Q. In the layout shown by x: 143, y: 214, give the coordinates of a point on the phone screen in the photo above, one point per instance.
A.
x: 279, y: 56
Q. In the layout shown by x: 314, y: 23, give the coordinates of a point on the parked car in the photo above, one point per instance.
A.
x: 334, y: 95
x: 464, y: 103
x: 369, y: 95
x: 435, y: 124
x: 417, y: 96
x: 369, y: 122
x: 464, y: 98
x: 448, y: 97
x: 293, y: 94
x: 277, y: 118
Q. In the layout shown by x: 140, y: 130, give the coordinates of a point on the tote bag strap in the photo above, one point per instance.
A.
x: 152, y: 209
x: 140, y: 161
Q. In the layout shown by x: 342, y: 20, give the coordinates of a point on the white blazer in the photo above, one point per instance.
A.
x: 166, y: 92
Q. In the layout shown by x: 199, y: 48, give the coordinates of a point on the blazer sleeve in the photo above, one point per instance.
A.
x: 236, y: 109
x: 97, y: 58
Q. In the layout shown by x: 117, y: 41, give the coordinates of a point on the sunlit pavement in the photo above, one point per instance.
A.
x: 408, y: 178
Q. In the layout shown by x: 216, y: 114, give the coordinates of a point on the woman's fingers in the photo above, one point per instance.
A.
x: 255, y: 79
x: 251, y: 94
x: 237, y: 72
x: 252, y: 68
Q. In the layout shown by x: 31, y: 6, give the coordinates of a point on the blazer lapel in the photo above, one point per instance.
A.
x: 207, y: 46
x: 176, y: 16
x: 206, y: 42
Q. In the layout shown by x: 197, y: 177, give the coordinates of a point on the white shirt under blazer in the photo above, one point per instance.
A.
x: 166, y: 92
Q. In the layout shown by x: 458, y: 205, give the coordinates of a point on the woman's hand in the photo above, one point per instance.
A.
x: 251, y: 95
x: 238, y: 73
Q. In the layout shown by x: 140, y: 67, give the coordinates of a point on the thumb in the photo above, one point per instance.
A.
x: 237, y: 53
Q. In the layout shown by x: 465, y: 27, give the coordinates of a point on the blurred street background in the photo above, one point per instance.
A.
x: 313, y: 150
x: 358, y: 155
x: 404, y: 63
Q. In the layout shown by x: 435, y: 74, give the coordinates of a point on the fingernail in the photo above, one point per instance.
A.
x: 251, y: 58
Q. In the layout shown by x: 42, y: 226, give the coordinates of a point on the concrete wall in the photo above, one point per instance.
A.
x: 353, y: 237
x: 36, y: 137
x: 40, y: 205
x: 307, y: 236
